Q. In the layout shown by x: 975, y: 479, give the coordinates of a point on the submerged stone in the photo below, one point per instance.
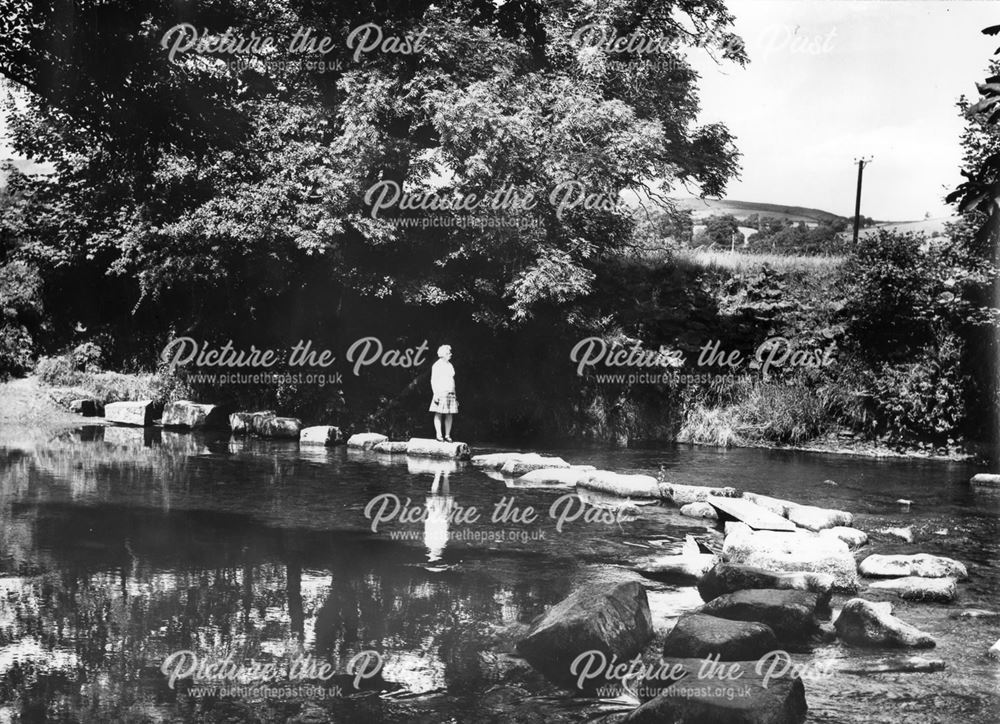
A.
x: 864, y: 623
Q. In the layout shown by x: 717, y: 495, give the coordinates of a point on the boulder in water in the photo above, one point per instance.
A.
x: 726, y: 578
x: 919, y: 564
x: 427, y: 448
x: 697, y: 636
x: 525, y: 463
x: 320, y: 435
x: 790, y: 614
x: 813, y: 518
x: 365, y: 440
x: 775, y: 505
x: 751, y: 699
x: 192, y: 415
x: 994, y: 652
x: 280, y: 428
x: 609, y: 618
x: 853, y: 537
x: 553, y: 477
x: 390, y: 447
x: 684, y: 494
x: 247, y: 423
x: 683, y: 568
x: 990, y: 480
x: 624, y: 486
x: 791, y: 552
x: 863, y: 623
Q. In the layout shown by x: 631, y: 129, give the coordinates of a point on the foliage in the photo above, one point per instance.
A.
x: 21, y: 310
x: 719, y: 231
x: 230, y: 196
x: 923, y: 399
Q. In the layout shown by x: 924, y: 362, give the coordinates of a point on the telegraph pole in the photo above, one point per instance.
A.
x: 857, y: 202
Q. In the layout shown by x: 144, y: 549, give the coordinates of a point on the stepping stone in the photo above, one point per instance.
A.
x: 916, y: 588
x: 365, y: 440
x: 320, y: 435
x: 864, y: 623
x: 427, y: 448
x: 132, y: 412
x: 919, y: 564
x: 750, y: 513
x: 193, y: 415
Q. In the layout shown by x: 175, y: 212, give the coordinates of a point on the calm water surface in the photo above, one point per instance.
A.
x: 119, y: 547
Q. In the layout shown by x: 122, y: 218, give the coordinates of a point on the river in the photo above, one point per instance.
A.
x: 121, y: 547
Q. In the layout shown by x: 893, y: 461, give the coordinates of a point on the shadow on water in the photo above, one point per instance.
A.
x: 123, y: 546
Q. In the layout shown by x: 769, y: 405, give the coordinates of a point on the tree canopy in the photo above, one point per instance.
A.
x: 211, y: 183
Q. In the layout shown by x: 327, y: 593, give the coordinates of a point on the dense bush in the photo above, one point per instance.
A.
x: 20, y: 317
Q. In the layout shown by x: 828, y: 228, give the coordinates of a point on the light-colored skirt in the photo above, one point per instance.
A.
x: 445, y: 404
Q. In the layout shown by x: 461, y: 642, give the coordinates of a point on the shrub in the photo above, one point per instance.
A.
x: 923, y: 399
x: 86, y: 357
x: 58, y: 371
x: 16, y: 350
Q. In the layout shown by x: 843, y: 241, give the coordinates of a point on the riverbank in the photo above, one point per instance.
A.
x: 26, y: 405
x: 25, y: 408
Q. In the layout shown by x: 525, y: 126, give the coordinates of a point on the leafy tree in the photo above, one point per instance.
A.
x: 189, y: 195
x: 719, y: 231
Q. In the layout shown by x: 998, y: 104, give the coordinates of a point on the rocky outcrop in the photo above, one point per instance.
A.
x: 798, y: 551
x: 916, y: 588
x: 613, y: 619
x: 699, y: 510
x: 625, y: 486
x: 729, y: 578
x: 853, y: 537
x: 697, y: 636
x: 748, y: 700
x: 863, y: 623
x: 134, y: 412
x: 365, y: 440
x: 790, y: 614
x: 320, y: 435
x: 423, y: 447
x: 193, y: 415
x: 684, y: 494
x: 919, y: 564
x: 813, y: 518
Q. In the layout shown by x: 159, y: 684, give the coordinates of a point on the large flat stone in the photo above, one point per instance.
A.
x: 427, y: 448
x: 625, y: 486
x: 193, y: 415
x: 133, y: 412
x: 919, y: 564
x: 792, y: 552
x: 916, y: 588
x: 365, y: 440
x: 320, y: 435
x: 684, y: 494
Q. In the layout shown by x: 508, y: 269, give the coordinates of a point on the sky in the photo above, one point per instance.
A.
x: 831, y: 80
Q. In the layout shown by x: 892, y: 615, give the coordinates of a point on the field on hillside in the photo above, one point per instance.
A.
x: 737, y: 261
x: 700, y: 208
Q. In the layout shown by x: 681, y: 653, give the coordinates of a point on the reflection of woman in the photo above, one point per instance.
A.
x: 445, y: 403
x: 439, y: 506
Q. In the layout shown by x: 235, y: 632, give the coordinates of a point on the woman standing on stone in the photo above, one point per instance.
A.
x: 445, y: 403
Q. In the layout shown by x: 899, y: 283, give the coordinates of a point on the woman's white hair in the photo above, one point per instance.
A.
x: 444, y: 348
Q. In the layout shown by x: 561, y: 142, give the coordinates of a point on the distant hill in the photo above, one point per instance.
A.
x: 700, y: 208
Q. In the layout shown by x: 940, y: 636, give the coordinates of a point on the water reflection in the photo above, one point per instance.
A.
x: 119, y: 546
